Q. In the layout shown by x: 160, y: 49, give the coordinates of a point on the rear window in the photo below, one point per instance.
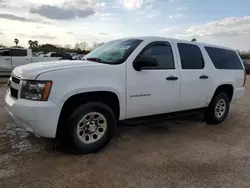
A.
x: 224, y: 59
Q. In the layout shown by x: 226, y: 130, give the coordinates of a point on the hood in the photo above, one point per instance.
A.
x: 31, y: 71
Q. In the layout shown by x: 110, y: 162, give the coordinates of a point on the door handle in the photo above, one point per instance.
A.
x: 172, y: 78
x: 204, y: 77
x: 7, y: 58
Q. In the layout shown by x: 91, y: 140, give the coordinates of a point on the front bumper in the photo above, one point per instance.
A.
x: 38, y: 117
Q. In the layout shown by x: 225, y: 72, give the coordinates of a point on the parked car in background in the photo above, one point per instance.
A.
x: 11, y: 58
x: 247, y: 65
x: 63, y: 55
x: 122, y: 80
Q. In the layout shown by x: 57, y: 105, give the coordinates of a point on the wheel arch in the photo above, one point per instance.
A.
x: 227, y: 88
x: 109, y: 98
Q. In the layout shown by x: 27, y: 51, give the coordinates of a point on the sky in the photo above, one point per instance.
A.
x: 62, y: 22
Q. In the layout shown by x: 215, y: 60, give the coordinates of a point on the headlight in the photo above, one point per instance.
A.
x: 36, y: 90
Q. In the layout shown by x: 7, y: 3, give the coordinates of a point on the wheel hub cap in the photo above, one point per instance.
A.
x: 91, y: 127
x: 220, y: 108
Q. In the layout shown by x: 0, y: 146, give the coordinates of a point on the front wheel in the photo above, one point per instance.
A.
x: 91, y: 127
x: 217, y: 110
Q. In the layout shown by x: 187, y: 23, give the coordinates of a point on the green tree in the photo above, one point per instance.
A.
x: 83, y: 46
x: 2, y: 46
x: 68, y: 46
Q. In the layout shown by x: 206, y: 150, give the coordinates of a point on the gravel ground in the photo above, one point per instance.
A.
x: 179, y: 153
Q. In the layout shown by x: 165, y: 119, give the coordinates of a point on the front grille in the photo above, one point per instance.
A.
x: 15, y: 80
x: 13, y: 92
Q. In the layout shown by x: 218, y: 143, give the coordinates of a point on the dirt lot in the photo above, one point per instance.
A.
x: 188, y: 154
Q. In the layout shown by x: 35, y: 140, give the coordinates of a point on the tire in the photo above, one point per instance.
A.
x: 215, y: 113
x: 87, y: 134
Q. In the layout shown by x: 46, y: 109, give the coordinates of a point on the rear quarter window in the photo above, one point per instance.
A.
x: 224, y: 59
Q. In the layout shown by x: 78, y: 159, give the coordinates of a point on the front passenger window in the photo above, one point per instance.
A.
x: 163, y: 55
x: 5, y: 52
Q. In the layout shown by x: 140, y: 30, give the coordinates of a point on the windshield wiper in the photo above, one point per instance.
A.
x: 95, y: 59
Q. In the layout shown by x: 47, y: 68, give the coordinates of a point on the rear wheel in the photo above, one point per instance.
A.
x: 217, y: 110
x: 91, y: 127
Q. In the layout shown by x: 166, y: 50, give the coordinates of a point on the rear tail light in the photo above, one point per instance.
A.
x: 245, y: 79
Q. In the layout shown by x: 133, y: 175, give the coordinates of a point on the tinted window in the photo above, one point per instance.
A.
x: 18, y: 52
x: 163, y: 54
x: 4, y: 52
x: 224, y: 59
x: 191, y: 57
x: 56, y: 55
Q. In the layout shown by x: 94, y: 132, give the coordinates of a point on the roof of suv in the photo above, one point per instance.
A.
x: 178, y: 40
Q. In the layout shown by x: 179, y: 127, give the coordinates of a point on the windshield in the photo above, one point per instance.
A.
x: 114, y: 52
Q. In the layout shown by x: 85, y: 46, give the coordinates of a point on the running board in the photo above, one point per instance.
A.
x: 162, y: 117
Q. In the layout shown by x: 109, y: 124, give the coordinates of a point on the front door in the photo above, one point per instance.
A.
x: 154, y: 89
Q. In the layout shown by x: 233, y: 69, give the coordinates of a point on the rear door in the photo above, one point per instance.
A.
x: 5, y: 60
x: 19, y: 57
x: 195, y: 77
x: 153, y: 90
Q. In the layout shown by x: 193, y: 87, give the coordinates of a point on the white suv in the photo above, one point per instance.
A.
x: 123, y: 79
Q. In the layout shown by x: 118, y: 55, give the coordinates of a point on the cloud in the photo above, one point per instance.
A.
x: 59, y: 13
x: 102, y: 14
x: 175, y: 16
x: 231, y: 26
x: 153, y: 13
x: 37, y: 36
x: 102, y: 33
x: 18, y: 18
x: 2, y: 5
x: 70, y: 33
x: 149, y: 6
x: 182, y: 8
x: 174, y: 1
x: 68, y: 10
x: 135, y: 4
x: 167, y: 29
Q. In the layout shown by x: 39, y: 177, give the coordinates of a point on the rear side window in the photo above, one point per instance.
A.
x: 18, y: 52
x: 191, y: 57
x: 224, y: 59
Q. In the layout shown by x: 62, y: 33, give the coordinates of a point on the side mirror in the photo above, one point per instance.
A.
x: 144, y: 61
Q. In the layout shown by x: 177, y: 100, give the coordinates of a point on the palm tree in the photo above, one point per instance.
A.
x: 16, y: 41
x: 30, y: 42
x: 35, y: 43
